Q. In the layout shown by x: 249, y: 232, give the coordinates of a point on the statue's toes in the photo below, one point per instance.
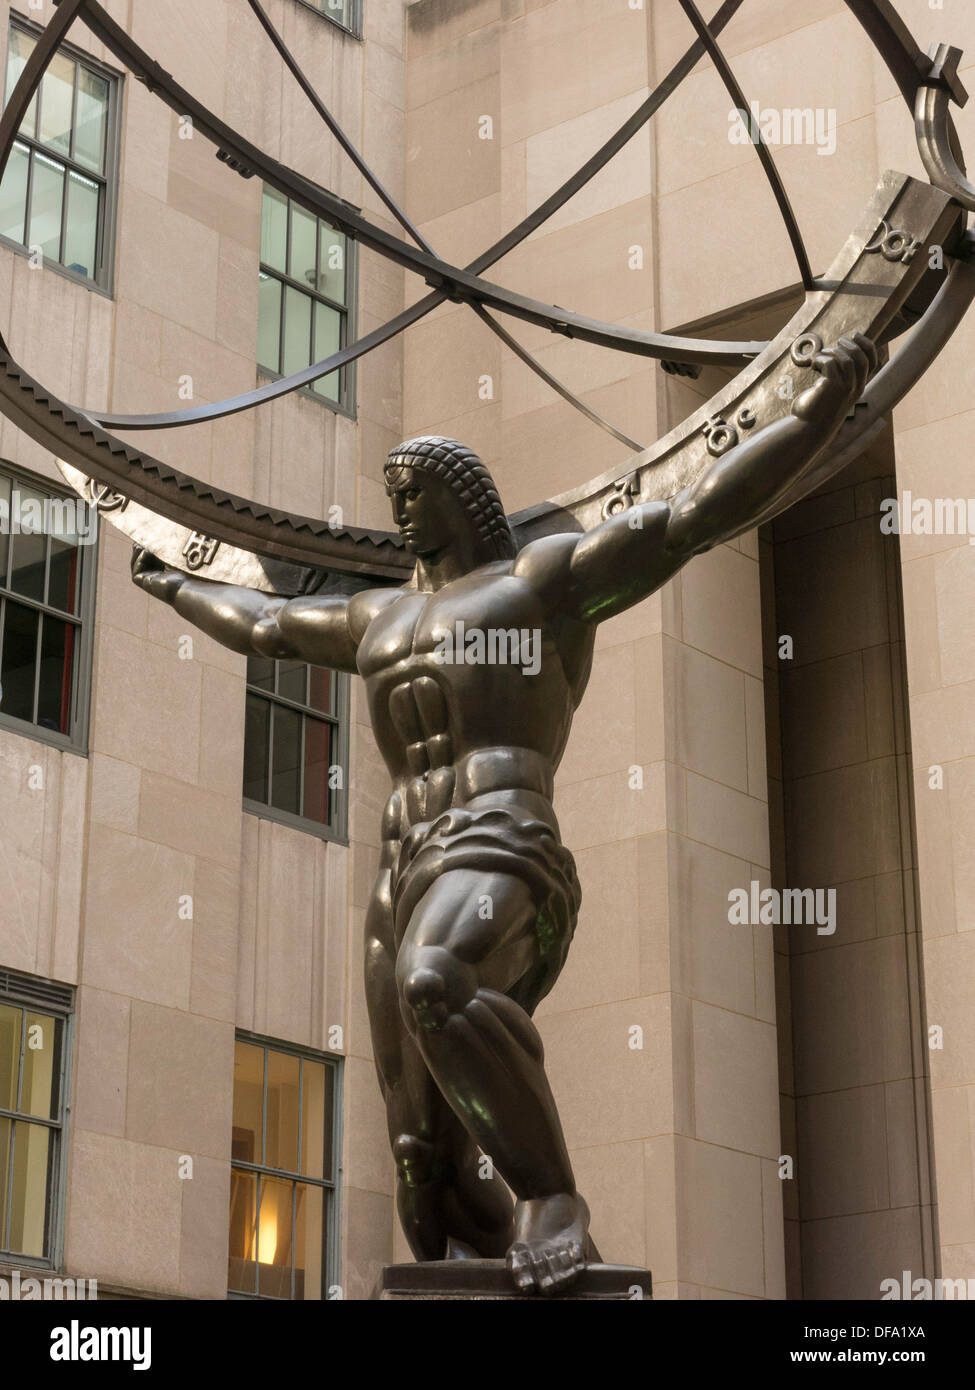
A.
x: 561, y: 1267
x: 520, y: 1267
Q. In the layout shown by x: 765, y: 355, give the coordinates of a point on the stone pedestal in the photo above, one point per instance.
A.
x: 489, y: 1280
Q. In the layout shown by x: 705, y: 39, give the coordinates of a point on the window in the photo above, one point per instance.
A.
x: 34, y: 1018
x: 282, y: 1176
x: 58, y: 192
x: 346, y: 13
x: 306, y: 282
x: 295, y: 739
x: 47, y: 568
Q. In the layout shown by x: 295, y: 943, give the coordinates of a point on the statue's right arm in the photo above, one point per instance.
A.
x: 312, y: 629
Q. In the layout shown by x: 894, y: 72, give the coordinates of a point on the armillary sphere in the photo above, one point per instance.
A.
x: 886, y: 280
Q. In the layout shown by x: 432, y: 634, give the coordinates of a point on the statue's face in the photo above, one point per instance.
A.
x: 428, y: 514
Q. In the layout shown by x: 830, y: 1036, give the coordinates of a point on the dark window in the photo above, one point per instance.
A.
x: 294, y: 743
x: 47, y: 566
x: 58, y: 191
x: 283, y: 1172
x: 33, y: 1057
x: 304, y: 297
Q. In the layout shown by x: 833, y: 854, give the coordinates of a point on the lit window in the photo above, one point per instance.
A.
x: 33, y: 1054
x: 306, y: 280
x: 46, y: 576
x: 294, y: 743
x: 282, y: 1176
x: 58, y: 191
x: 346, y: 13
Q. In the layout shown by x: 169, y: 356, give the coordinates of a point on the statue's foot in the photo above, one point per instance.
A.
x: 551, y: 1237
x: 460, y: 1250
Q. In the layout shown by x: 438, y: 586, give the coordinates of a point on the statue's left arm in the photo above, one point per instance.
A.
x: 596, y: 575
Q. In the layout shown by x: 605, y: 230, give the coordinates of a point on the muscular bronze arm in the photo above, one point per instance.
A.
x: 630, y: 556
x: 314, y: 629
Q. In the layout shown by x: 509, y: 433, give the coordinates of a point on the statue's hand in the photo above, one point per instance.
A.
x: 151, y: 574
x: 843, y: 371
x: 143, y: 562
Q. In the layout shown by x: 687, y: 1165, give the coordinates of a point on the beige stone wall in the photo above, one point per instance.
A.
x: 95, y: 864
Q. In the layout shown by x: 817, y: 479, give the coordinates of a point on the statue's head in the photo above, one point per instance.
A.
x: 444, y: 498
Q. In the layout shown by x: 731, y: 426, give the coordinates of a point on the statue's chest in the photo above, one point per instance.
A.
x: 418, y: 625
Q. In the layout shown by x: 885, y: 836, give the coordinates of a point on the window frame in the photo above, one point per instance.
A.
x: 353, y: 29
x: 106, y: 240
x: 331, y: 1205
x: 337, y: 829
x: 76, y: 740
x: 347, y: 403
x: 33, y: 994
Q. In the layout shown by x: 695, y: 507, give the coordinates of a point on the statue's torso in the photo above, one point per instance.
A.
x: 492, y: 719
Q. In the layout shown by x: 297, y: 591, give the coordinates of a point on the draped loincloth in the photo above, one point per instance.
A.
x: 496, y: 840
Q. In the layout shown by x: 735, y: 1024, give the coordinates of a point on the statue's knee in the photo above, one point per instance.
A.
x: 414, y: 1159
x: 433, y: 984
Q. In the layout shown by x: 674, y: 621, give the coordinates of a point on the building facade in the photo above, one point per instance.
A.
x: 188, y: 839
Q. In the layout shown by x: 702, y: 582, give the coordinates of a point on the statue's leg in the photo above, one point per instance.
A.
x: 471, y: 939
x: 439, y: 1195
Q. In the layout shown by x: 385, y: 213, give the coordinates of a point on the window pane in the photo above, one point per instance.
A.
x: 17, y: 665
x: 248, y: 1103
x: 282, y: 1111
x: 274, y: 230
x: 46, y: 198
x: 6, y: 1131
x: 293, y: 680
x: 19, y: 48
x: 242, y: 1271
x: 30, y: 546
x: 54, y: 690
x: 328, y: 339
x: 13, y: 195
x: 338, y: 9
x: 313, y: 1118
x: 318, y: 742
x: 57, y: 100
x: 309, y: 1241
x: 260, y: 672
x: 285, y: 759
x: 62, y: 577
x: 42, y: 1067
x: 303, y: 230
x: 11, y: 1024
x: 331, y: 262
x: 320, y: 696
x: 28, y: 1207
x: 92, y: 120
x: 274, y: 1238
x: 4, y: 529
x: 257, y: 725
x: 81, y: 229
x: 269, y: 323
x: 297, y: 331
